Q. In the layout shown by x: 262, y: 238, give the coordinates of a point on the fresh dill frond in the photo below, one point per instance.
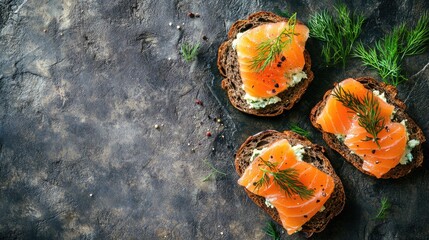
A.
x: 384, y: 207
x: 270, y: 165
x: 388, y: 53
x: 286, y: 179
x: 269, y: 50
x: 271, y: 230
x: 384, y: 57
x: 338, y: 31
x: 213, y: 172
x: 416, y: 40
x: 367, y: 110
x: 265, y: 180
x: 297, y: 129
x: 189, y: 51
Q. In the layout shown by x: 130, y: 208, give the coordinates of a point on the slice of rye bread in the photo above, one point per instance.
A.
x: 414, y: 130
x: 313, y: 155
x: 228, y: 67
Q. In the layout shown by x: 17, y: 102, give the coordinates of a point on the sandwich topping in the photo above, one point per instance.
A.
x: 297, y: 189
x: 362, y: 119
x: 271, y: 59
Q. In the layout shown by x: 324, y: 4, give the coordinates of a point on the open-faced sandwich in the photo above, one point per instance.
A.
x: 265, y: 64
x: 290, y: 178
x: 364, y: 121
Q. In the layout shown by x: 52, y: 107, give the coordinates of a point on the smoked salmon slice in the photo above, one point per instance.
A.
x: 274, y: 78
x: 378, y: 160
x: 378, y: 157
x: 336, y: 118
x: 294, y: 210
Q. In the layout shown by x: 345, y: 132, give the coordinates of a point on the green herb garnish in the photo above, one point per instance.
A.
x: 271, y: 230
x: 287, y: 179
x: 389, y: 52
x: 213, y: 172
x: 297, y: 129
x: 270, y: 49
x: 339, y: 32
x: 367, y: 110
x: 189, y: 51
x: 385, y: 206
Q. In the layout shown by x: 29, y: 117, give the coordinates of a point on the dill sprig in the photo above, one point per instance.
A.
x: 213, y: 172
x: 388, y: 53
x: 339, y: 32
x: 384, y: 207
x: 367, y: 110
x: 417, y: 38
x: 286, y: 179
x: 271, y: 230
x: 269, y: 50
x: 189, y: 51
x: 297, y: 129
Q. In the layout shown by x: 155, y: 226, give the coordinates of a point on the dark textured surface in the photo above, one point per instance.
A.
x: 83, y: 83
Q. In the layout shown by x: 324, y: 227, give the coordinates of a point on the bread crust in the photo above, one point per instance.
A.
x: 391, y: 96
x: 228, y: 67
x: 335, y: 203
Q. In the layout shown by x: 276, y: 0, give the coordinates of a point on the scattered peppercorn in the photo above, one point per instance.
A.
x: 373, y: 151
x: 198, y: 102
x: 276, y: 85
x: 283, y: 58
x: 205, y: 38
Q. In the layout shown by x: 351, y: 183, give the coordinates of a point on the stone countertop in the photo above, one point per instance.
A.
x: 106, y: 133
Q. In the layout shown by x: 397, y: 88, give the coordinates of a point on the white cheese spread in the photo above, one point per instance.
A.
x: 256, y: 153
x: 258, y: 103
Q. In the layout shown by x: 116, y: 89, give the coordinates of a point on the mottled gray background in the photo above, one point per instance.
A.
x: 83, y: 83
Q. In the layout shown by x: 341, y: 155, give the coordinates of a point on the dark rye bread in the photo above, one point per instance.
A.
x: 315, y: 156
x: 228, y: 68
x: 414, y: 130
